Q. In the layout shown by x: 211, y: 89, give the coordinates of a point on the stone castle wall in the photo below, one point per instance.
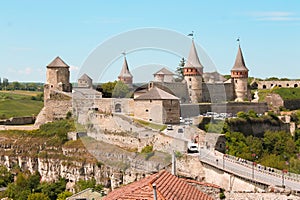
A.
x: 271, y: 84
x: 190, y: 110
x: 18, y: 121
x: 218, y: 92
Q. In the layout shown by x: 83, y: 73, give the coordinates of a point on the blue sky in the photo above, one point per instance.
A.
x: 34, y: 32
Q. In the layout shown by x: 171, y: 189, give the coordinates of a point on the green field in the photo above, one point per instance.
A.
x: 19, y: 103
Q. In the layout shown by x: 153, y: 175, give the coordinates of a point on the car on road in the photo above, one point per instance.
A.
x: 169, y: 127
x: 180, y: 130
x: 192, y: 148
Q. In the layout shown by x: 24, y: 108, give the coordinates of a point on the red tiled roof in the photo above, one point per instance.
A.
x: 167, y: 186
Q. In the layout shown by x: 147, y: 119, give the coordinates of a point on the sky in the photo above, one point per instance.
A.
x: 34, y: 32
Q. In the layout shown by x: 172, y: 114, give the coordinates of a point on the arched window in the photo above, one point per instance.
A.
x: 264, y: 87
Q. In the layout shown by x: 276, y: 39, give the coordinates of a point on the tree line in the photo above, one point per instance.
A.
x: 15, y: 85
x: 276, y: 149
x: 28, y: 186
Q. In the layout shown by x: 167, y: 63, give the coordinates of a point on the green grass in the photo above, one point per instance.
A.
x: 19, y: 104
x: 151, y: 125
x: 288, y: 93
x: 285, y: 93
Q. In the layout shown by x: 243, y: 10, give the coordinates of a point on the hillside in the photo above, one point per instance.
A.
x: 20, y: 103
x: 285, y: 93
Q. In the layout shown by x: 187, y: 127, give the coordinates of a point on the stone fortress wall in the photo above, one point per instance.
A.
x: 283, y: 84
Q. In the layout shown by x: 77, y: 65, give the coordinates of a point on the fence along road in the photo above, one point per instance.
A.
x: 247, y: 170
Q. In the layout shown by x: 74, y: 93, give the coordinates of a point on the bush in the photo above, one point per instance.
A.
x: 147, y: 149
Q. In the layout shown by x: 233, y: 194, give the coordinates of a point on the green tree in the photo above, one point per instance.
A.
x: 252, y: 114
x: 120, y: 90
x: 107, y: 89
x: 84, y: 184
x: 38, y: 196
x: 53, y: 189
x: 5, y: 176
x: 242, y: 115
x: 34, y: 181
x: 64, y: 195
x: 5, y: 83
x: 179, y: 70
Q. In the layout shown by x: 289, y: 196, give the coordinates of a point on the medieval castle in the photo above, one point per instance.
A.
x: 161, y: 100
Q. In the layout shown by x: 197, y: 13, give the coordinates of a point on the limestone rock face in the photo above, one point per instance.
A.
x: 53, y: 163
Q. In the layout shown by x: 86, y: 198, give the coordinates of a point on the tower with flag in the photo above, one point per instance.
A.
x: 239, y: 76
x: 192, y: 72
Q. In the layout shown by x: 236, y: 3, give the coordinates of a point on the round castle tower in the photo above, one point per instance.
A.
x: 239, y: 76
x: 193, y: 71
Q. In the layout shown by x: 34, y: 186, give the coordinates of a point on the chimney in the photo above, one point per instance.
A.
x: 154, y: 191
x: 173, y: 164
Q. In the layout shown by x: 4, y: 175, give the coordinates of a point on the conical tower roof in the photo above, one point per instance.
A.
x: 193, y: 59
x: 125, y: 70
x: 239, y: 64
x: 57, y: 62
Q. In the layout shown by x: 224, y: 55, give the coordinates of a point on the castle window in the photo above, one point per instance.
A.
x: 150, y: 100
x: 271, y: 84
x: 150, y: 120
x: 264, y: 87
x: 190, y: 86
x: 147, y: 110
x: 190, y: 79
x: 296, y: 85
x: 279, y: 85
x: 287, y: 85
x: 235, y: 81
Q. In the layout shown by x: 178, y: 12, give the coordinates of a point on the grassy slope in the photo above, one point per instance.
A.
x: 19, y: 103
x: 285, y: 93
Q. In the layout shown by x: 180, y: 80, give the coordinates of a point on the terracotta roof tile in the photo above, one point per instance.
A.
x: 168, y: 187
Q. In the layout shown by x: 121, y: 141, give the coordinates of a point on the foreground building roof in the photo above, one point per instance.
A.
x: 57, y: 62
x: 168, y: 187
x: 156, y: 93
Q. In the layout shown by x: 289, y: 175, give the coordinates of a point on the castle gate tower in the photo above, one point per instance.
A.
x: 239, y: 76
x: 193, y: 71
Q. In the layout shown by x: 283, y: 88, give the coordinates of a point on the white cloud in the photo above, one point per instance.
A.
x: 275, y: 16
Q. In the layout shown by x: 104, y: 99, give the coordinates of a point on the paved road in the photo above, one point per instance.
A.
x: 248, y: 170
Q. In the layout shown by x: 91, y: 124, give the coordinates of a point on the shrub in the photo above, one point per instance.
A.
x: 147, y: 149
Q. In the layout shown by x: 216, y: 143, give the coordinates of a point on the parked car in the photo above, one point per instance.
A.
x: 169, y: 127
x: 192, y: 148
x: 180, y: 130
